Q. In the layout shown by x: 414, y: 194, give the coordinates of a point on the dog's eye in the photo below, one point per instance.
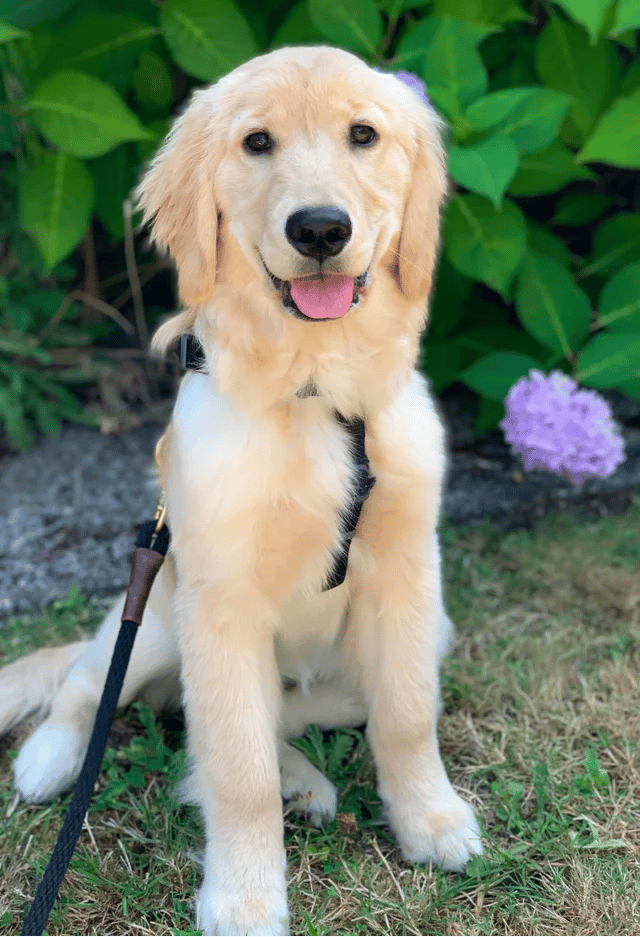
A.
x: 259, y: 142
x: 363, y: 135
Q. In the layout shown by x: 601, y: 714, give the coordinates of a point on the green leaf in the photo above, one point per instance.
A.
x: 631, y: 80
x: 530, y: 116
x: 114, y: 175
x: 630, y: 388
x: 494, y: 374
x: 609, y: 360
x: 13, y: 416
x: 152, y: 82
x: 207, y: 39
x: 486, y: 339
x: 441, y: 363
x: 354, y: 24
x: 256, y: 13
x: 616, y: 139
x: 47, y: 302
x: 486, y: 168
x: 449, y: 300
x: 33, y: 12
x: 93, y: 40
x: 580, y: 207
x: 490, y: 412
x: 297, y: 29
x: 497, y: 52
x: 46, y: 417
x: 615, y: 244
x: 566, y: 61
x: 393, y: 8
x: 544, y: 242
x: 7, y: 131
x: 56, y: 199
x: 481, y: 11
x: 158, y: 129
x: 484, y: 243
x: 550, y: 305
x: 514, y: 69
x: 82, y: 115
x: 628, y: 16
x: 444, y: 52
x: 20, y: 317
x: 8, y: 32
x: 25, y: 347
x: 619, y: 306
x: 547, y: 171
x: 591, y: 13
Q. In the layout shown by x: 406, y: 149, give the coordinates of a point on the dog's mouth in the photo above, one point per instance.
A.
x: 320, y: 297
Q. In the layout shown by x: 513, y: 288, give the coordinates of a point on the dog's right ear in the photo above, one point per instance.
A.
x: 420, y: 227
x: 176, y: 196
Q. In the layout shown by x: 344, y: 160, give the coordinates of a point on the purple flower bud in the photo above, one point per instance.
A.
x: 551, y: 424
x: 416, y: 84
x: 412, y: 81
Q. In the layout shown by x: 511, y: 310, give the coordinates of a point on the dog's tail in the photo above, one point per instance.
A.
x: 29, y: 684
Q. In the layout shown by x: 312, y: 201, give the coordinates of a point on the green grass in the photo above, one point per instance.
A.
x: 539, y: 731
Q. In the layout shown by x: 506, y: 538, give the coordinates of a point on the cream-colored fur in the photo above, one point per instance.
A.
x: 256, y: 477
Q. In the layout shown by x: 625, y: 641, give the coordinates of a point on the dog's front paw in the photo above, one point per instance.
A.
x: 49, y: 762
x: 224, y: 914
x: 443, y: 832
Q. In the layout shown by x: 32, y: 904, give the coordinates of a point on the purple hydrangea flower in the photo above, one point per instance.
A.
x: 412, y: 81
x: 551, y: 424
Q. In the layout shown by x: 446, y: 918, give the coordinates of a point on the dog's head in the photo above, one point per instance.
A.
x: 316, y: 168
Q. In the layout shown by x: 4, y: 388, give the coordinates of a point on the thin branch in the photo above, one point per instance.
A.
x: 155, y: 265
x: 134, y: 279
x: 88, y: 300
x: 150, y: 366
x: 69, y: 356
x: 144, y: 279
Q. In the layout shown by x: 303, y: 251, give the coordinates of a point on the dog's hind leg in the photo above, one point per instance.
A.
x: 29, y: 684
x: 50, y: 760
x: 329, y: 704
x: 306, y: 789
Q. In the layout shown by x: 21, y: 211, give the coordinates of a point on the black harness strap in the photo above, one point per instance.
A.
x: 192, y: 358
x: 363, y: 483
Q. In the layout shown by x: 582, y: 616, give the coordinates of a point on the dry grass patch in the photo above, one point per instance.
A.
x: 540, y: 731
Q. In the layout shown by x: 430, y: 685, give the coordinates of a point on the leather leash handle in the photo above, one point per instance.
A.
x: 147, y: 558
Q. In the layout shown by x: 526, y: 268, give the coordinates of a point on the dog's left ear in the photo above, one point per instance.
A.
x: 177, y: 198
x: 421, y: 222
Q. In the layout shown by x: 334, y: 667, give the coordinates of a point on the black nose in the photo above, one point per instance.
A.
x: 318, y: 232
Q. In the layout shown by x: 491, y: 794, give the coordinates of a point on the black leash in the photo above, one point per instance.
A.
x: 151, y: 548
x: 192, y: 358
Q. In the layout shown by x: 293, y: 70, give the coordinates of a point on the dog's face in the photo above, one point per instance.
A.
x: 317, y: 167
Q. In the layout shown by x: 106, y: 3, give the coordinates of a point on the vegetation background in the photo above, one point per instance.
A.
x: 541, y: 259
x: 540, y: 268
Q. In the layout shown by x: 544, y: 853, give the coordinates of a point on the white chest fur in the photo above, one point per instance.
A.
x: 265, y: 491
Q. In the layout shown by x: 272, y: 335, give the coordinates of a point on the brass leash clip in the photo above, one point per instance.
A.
x: 160, y: 515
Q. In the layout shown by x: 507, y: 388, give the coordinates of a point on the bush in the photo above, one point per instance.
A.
x: 543, y: 105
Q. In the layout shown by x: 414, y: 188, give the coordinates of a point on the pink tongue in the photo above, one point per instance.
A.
x: 328, y: 297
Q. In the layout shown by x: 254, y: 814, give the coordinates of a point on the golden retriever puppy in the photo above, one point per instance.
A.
x: 299, y: 198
